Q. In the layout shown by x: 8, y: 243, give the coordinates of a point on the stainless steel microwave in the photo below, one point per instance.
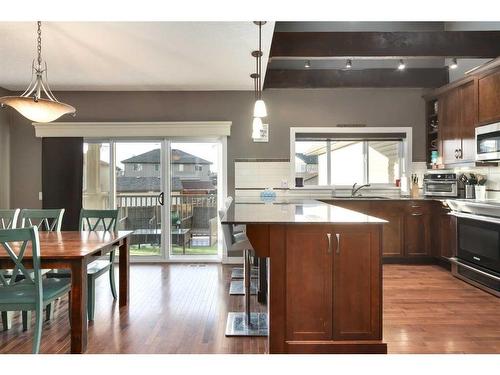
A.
x: 488, y: 142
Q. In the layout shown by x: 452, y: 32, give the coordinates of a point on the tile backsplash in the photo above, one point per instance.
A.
x: 261, y: 174
x: 254, y: 175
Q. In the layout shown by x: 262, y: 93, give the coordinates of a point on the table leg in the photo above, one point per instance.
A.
x: 184, y: 244
x: 124, y: 272
x: 78, y: 307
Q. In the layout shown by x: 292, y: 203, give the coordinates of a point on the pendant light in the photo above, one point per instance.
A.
x: 31, y: 103
x: 257, y: 121
x: 259, y: 109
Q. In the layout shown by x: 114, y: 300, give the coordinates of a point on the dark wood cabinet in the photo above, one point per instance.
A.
x: 489, y: 97
x: 309, y: 264
x: 443, y: 234
x: 417, y: 234
x: 333, y: 284
x: 357, y: 278
x: 392, y: 232
x: 457, y: 121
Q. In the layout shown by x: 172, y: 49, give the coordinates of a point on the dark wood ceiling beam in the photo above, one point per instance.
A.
x: 460, y: 44
x: 331, y: 78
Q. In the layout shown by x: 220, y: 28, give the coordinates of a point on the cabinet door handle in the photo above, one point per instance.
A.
x: 338, y: 242
x: 456, y: 153
x: 329, y: 236
x: 460, y: 153
x: 418, y: 214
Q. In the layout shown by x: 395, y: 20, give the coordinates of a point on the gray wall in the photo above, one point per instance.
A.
x: 4, y: 154
x: 374, y: 107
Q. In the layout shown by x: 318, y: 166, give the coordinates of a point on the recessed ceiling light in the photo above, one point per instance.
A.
x: 454, y: 64
x: 307, y: 65
x: 348, y: 64
x: 401, y: 65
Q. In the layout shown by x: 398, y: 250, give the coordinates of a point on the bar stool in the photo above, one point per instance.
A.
x: 245, y: 323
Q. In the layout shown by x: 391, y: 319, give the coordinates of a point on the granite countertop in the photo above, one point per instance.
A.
x: 295, y: 212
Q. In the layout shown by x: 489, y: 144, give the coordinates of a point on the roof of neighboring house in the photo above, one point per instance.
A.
x: 145, y: 184
x: 308, y: 159
x: 178, y: 157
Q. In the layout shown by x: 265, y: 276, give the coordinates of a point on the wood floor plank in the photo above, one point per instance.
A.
x: 182, y: 308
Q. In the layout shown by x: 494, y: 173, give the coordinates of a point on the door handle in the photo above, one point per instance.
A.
x: 456, y: 153
x: 329, y: 236
x: 161, y: 198
x: 460, y: 153
x: 338, y: 242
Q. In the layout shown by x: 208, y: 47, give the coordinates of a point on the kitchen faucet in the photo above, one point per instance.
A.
x: 354, y: 191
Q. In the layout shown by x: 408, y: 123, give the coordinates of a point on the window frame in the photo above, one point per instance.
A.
x: 406, y: 152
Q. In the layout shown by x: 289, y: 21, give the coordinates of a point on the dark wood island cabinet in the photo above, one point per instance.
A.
x: 325, y: 275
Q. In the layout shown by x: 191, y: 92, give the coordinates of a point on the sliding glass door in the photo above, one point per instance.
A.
x: 140, y: 195
x: 167, y: 192
x: 194, y: 175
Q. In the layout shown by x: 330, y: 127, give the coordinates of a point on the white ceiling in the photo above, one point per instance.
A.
x: 134, y: 55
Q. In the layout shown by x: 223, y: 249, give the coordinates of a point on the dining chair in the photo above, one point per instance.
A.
x: 96, y: 220
x: 8, y: 220
x: 49, y: 220
x: 31, y: 293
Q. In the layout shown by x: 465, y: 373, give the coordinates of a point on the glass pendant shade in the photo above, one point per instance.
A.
x: 257, y: 127
x: 259, y: 109
x: 42, y: 110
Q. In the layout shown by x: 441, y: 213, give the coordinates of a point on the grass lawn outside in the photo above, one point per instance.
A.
x: 151, y: 250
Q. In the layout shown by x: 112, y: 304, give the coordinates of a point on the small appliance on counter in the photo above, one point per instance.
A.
x: 440, y: 185
x: 477, y: 257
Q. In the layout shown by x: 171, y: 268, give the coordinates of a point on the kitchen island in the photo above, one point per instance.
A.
x: 325, y: 275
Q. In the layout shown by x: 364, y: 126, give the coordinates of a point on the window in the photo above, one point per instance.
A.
x: 345, y: 156
x: 198, y: 168
x: 157, y: 167
x: 181, y: 167
x: 137, y: 167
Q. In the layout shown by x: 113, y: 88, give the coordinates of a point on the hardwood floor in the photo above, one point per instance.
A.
x: 181, y: 308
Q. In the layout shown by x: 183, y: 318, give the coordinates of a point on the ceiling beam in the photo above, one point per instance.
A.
x: 460, y: 44
x: 331, y: 78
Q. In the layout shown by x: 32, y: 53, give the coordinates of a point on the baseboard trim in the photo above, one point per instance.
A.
x: 408, y: 260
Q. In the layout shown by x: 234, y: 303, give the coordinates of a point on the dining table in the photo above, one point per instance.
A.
x: 74, y: 250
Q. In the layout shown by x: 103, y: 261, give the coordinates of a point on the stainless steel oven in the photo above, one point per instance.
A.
x: 478, y: 250
x: 440, y: 185
x: 488, y: 142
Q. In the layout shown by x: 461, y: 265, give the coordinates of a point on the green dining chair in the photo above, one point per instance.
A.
x: 31, y: 293
x: 8, y: 220
x: 97, y: 220
x: 49, y: 220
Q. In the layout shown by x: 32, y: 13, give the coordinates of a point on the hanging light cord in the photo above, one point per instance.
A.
x: 259, y: 59
x: 39, y: 42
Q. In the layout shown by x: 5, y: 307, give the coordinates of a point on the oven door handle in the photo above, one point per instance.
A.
x: 458, y: 263
x: 474, y: 217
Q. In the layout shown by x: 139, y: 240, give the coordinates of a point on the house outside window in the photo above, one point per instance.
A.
x: 337, y: 157
x: 137, y: 167
x: 198, y: 168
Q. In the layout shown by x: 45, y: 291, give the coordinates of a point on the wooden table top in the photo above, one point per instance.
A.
x: 71, y: 244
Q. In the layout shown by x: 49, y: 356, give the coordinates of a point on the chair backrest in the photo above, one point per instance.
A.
x: 227, y: 202
x: 8, y: 218
x: 226, y: 230
x: 93, y: 220
x: 49, y: 220
x: 15, y: 242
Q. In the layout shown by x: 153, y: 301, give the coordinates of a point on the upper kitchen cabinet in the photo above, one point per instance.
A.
x: 489, y: 97
x: 457, y: 121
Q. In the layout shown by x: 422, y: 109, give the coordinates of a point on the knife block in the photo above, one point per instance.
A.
x: 414, y: 191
